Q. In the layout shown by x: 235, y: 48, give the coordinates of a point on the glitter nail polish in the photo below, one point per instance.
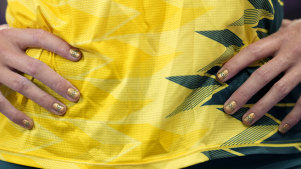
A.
x: 284, y: 128
x: 26, y: 124
x: 75, y: 53
x: 249, y: 118
x: 59, y: 108
x: 229, y: 108
x: 222, y: 75
x: 73, y: 93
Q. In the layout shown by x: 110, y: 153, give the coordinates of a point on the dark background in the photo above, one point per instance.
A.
x: 2, y: 11
x: 292, y: 9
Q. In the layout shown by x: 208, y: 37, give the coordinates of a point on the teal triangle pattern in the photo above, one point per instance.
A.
x: 201, y: 88
x: 262, y: 4
x: 218, y: 154
x: 193, y: 81
x: 224, y: 37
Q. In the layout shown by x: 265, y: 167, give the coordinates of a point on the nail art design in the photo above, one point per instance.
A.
x: 26, y: 124
x: 59, y: 108
x: 73, y: 93
x: 284, y: 128
x: 222, y: 75
x: 249, y: 119
x: 75, y: 53
x: 230, y: 107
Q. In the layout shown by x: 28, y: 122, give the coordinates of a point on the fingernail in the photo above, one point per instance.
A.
x: 249, y: 119
x: 59, y: 108
x: 229, y: 108
x: 75, y: 53
x: 73, y: 93
x: 284, y: 128
x: 222, y: 75
x: 26, y: 124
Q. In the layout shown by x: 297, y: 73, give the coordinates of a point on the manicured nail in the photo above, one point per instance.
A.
x: 73, y: 93
x: 229, y: 108
x: 284, y: 128
x: 222, y: 75
x: 26, y: 124
x: 249, y: 119
x: 59, y: 108
x: 75, y: 53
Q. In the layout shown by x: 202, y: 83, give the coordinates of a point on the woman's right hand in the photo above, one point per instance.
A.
x: 13, y: 43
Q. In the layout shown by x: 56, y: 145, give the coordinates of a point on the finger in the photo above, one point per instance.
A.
x: 45, y: 74
x: 24, y: 86
x: 5, y: 26
x: 274, y: 95
x: 42, y: 39
x: 291, y: 119
x: 254, y: 52
x: 285, y: 23
x: 256, y: 81
x: 14, y: 115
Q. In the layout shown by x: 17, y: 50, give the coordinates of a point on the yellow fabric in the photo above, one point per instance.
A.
x: 130, y: 49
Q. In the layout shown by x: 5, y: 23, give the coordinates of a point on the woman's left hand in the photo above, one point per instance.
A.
x: 285, y: 46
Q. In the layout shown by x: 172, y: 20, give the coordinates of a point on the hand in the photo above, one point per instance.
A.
x: 13, y: 43
x: 284, y: 45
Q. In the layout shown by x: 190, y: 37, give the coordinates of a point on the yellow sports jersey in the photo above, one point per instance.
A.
x: 149, y: 94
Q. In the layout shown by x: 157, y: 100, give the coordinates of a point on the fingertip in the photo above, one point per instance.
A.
x: 73, y: 94
x: 284, y: 128
x: 222, y: 75
x: 230, y: 107
x: 249, y: 119
x: 59, y: 109
x: 75, y: 54
x: 27, y: 124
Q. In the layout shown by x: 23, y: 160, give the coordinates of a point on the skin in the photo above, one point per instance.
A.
x: 13, y: 61
x: 285, y: 48
x: 283, y: 45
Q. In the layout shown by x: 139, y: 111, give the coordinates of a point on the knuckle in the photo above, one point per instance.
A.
x: 61, y: 48
x: 45, y: 100
x: 254, y: 50
x: 19, y: 84
x: 281, y: 88
x: 60, y: 83
x: 244, y: 95
x: 37, y: 35
x: 33, y: 67
x: 262, y: 74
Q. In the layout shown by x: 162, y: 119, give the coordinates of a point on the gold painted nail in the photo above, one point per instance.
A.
x: 230, y: 107
x: 222, y: 75
x: 249, y: 119
x: 73, y: 93
x: 59, y: 108
x: 75, y: 53
x: 284, y: 128
x: 26, y: 124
